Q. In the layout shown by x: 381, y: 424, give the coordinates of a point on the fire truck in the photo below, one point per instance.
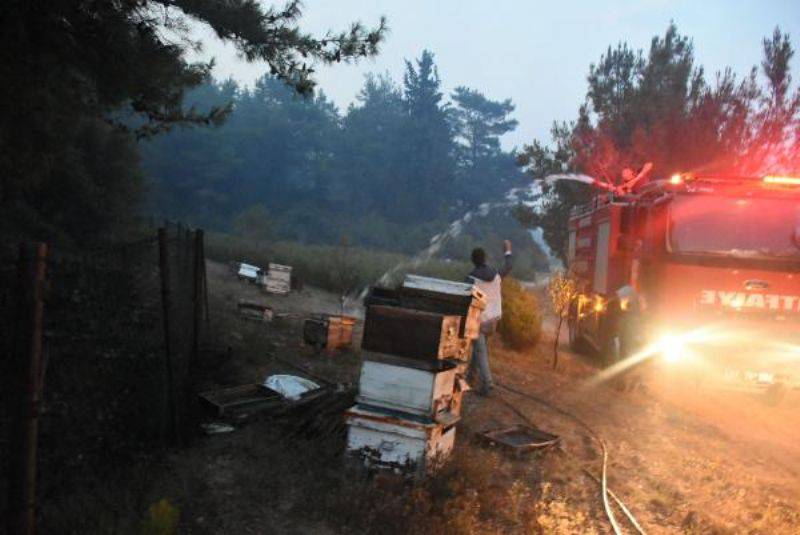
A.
x: 697, y: 271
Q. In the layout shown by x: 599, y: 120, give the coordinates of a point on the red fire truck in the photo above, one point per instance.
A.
x: 698, y: 270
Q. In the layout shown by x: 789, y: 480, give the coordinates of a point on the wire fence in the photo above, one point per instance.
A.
x: 120, y: 335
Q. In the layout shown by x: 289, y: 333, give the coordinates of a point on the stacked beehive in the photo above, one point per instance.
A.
x: 416, y: 345
x: 278, y: 279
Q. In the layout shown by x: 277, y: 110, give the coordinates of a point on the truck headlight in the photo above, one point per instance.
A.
x: 672, y: 347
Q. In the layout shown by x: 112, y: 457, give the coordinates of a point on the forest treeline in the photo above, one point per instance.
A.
x: 85, y: 82
x: 107, y: 123
x: 388, y: 172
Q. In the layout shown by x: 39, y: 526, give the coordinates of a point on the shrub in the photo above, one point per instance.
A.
x: 521, y: 324
x: 161, y: 519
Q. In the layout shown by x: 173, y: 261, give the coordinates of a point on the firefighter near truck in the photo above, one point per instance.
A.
x: 697, y: 274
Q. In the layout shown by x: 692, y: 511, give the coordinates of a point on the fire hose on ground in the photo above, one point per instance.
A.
x: 603, y: 480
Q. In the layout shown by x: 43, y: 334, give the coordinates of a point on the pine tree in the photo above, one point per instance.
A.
x: 485, y: 171
x: 428, y: 144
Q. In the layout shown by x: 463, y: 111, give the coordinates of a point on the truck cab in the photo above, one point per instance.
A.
x: 704, y: 271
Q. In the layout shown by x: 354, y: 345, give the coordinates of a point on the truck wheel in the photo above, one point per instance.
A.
x: 775, y: 394
x: 620, y: 348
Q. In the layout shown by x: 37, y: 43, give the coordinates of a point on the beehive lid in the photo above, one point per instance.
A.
x: 418, y: 282
x: 443, y: 290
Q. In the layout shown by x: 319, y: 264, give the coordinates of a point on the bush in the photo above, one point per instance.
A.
x: 521, y: 325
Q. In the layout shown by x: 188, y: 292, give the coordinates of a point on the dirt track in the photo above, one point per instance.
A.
x: 683, y: 460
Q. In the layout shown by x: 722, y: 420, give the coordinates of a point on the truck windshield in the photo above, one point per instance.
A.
x: 730, y: 226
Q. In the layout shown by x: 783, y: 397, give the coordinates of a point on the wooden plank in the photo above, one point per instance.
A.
x: 411, y: 333
x: 256, y: 311
x: 243, y: 398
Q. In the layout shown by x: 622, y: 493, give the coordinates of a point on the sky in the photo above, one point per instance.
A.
x: 537, y: 53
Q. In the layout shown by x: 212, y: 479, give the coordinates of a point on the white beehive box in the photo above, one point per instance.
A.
x: 424, y: 388
x: 278, y: 279
x: 383, y: 439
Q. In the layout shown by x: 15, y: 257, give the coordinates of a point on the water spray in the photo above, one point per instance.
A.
x: 527, y: 195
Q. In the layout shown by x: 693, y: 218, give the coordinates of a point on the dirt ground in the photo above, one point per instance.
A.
x: 683, y: 459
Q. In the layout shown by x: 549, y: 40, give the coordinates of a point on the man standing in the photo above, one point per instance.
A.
x: 488, y: 280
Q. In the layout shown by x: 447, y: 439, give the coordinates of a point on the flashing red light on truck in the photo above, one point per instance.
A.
x: 712, y: 261
x: 783, y: 180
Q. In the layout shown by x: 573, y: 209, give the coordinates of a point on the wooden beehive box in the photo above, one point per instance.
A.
x: 383, y: 439
x: 445, y: 297
x: 381, y: 296
x: 278, y: 279
x: 340, y: 332
x: 412, y: 386
x: 411, y: 333
x: 329, y: 332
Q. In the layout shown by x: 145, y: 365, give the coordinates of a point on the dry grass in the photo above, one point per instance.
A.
x: 260, y: 477
x: 339, y: 269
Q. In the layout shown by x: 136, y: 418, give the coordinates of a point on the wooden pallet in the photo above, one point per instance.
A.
x: 240, y: 400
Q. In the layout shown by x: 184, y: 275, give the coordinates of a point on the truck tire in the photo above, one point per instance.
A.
x: 625, y: 346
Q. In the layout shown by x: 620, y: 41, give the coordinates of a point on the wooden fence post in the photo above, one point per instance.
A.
x: 28, y: 364
x: 163, y: 264
x: 197, y: 294
x: 205, y: 280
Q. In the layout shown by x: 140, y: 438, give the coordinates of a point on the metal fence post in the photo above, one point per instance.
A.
x: 163, y: 264
x: 28, y: 362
